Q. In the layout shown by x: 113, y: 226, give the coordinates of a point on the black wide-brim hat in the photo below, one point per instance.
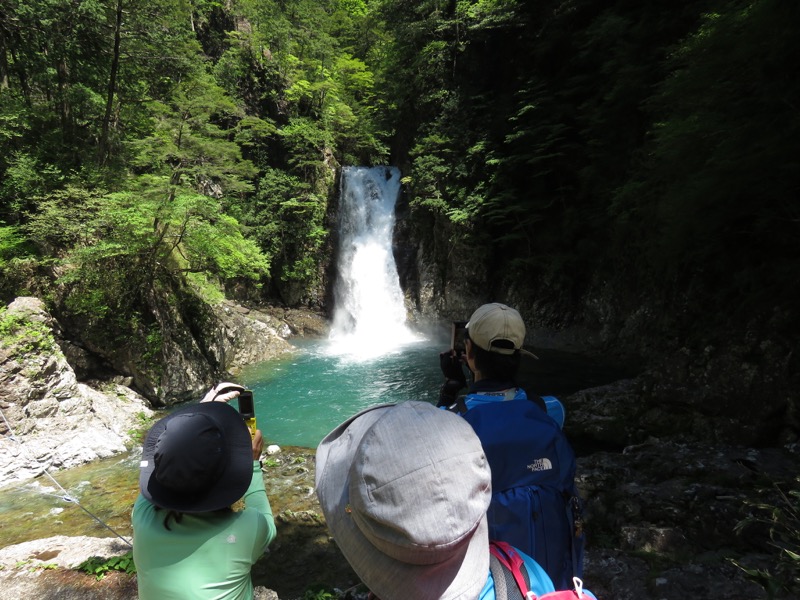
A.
x: 197, y: 459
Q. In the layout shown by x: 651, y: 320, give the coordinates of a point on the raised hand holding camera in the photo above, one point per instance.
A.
x: 248, y: 410
x: 223, y: 392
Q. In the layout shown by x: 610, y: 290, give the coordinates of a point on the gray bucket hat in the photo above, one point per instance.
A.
x: 404, y: 489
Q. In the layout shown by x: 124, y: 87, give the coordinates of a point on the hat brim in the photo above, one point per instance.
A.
x: 232, y: 483
x: 461, y: 577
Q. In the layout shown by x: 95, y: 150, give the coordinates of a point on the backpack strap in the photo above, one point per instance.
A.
x: 459, y: 406
x: 511, y: 562
x: 505, y: 588
x: 575, y: 518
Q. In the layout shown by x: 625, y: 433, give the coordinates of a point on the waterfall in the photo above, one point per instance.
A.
x: 369, y: 313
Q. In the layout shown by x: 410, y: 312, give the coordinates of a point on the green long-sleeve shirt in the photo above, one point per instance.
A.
x: 205, y: 556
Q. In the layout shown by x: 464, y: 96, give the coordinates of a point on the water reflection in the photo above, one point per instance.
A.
x: 37, y: 509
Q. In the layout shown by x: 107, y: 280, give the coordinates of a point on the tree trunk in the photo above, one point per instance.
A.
x: 103, y: 150
x: 3, y: 59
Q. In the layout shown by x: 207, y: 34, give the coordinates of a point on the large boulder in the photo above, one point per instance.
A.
x: 245, y: 336
x: 50, y: 420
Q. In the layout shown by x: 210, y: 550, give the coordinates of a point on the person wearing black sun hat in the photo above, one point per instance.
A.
x: 187, y: 541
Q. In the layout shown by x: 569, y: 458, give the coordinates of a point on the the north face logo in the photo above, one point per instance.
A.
x: 541, y: 464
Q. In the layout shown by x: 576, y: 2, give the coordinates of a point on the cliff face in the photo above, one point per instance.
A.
x: 50, y: 420
x: 186, y: 346
x: 55, y: 418
x: 702, y: 375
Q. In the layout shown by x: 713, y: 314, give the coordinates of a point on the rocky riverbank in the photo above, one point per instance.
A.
x: 53, y: 420
x: 661, y: 521
x: 673, y: 508
x: 50, y: 419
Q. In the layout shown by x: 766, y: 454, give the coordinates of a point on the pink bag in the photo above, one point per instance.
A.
x: 512, y: 562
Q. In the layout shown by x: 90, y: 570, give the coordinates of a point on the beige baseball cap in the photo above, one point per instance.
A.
x: 497, y: 328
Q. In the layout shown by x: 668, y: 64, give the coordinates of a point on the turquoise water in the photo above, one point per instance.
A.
x: 105, y: 488
x: 300, y: 399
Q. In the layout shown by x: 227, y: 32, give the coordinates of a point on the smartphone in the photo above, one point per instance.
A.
x: 248, y: 410
x: 457, y: 336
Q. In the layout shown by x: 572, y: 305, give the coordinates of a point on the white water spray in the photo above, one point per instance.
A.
x: 369, y: 316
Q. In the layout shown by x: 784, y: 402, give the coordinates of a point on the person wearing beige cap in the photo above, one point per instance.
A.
x: 404, y: 489
x: 494, y: 337
x: 535, y: 506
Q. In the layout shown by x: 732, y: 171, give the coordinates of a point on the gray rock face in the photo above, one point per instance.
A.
x: 50, y: 420
x: 229, y: 337
x: 65, y: 551
x: 249, y: 336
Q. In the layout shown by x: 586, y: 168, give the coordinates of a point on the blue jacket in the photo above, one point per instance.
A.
x: 484, y: 392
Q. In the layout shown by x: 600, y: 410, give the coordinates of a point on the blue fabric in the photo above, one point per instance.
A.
x: 534, y: 500
x: 476, y: 399
x: 555, y: 410
x: 540, y: 582
x: 553, y: 406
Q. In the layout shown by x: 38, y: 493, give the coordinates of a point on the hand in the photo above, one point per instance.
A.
x: 451, y: 364
x: 448, y: 393
x: 223, y: 392
x: 258, y: 445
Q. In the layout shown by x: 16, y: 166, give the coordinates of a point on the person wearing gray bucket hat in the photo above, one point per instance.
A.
x: 187, y: 541
x: 404, y: 489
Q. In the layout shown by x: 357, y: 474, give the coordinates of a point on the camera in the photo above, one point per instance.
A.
x: 458, y: 336
x: 248, y: 410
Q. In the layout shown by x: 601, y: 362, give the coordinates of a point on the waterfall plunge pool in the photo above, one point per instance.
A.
x: 299, y: 399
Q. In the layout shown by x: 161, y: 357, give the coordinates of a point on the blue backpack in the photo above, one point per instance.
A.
x: 535, y: 505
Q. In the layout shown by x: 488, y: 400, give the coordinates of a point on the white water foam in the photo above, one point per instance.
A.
x: 370, y: 317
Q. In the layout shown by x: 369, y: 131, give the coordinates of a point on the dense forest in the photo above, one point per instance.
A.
x: 627, y: 167
x: 189, y: 148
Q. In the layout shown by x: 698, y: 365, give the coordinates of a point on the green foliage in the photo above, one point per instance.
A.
x: 154, y: 342
x: 288, y: 220
x: 718, y: 188
x: 118, y: 251
x: 306, y: 139
x: 24, y: 334
x: 641, y: 143
x: 118, y: 245
x: 319, y: 592
x: 25, y: 177
x: 782, y: 521
x: 188, y: 146
x: 12, y: 244
x: 100, y: 567
x: 143, y: 425
x: 170, y: 119
x: 649, y: 144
